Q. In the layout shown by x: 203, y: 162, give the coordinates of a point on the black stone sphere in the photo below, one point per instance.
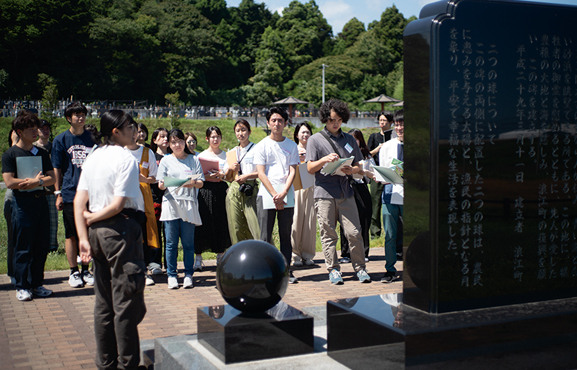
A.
x: 252, y: 276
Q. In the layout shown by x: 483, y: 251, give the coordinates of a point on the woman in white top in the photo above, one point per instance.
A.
x: 180, y: 206
x: 213, y: 234
x: 109, y: 183
x: 304, y: 229
x: 242, y: 192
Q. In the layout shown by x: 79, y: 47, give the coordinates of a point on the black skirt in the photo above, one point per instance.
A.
x: 213, y: 234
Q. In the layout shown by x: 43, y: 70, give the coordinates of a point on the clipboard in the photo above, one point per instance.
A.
x: 209, y: 165
x: 303, y: 179
x: 334, y: 168
x: 387, y: 175
x: 267, y: 202
x: 231, y: 159
x: 28, y: 167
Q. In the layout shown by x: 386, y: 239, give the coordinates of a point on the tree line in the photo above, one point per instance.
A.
x: 200, y: 51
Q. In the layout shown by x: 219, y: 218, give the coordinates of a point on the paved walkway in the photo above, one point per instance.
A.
x: 57, y: 332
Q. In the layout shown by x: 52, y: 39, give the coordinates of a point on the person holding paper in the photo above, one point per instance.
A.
x: 276, y: 158
x: 148, y: 169
x: 393, y: 195
x: 108, y: 207
x: 241, y: 208
x: 304, y: 228
x: 26, y: 169
x: 180, y: 207
x: 334, y: 197
x: 213, y: 234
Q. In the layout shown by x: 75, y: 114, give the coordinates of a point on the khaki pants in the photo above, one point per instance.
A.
x: 241, y: 214
x: 343, y: 210
x: 304, y: 229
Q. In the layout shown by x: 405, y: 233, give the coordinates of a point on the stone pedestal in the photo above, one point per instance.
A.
x: 528, y: 336
x: 233, y: 336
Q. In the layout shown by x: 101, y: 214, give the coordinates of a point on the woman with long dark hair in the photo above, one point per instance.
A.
x: 304, y: 229
x: 242, y: 192
x: 109, y: 232
x: 213, y: 234
x: 180, y: 206
x: 159, y: 146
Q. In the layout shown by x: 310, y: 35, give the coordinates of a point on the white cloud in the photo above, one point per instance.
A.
x: 337, y: 13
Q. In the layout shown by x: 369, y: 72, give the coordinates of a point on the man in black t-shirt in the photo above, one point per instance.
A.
x: 26, y: 169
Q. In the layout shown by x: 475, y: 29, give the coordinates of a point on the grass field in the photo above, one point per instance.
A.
x: 57, y: 260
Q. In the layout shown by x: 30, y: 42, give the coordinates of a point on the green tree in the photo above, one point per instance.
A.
x: 49, y: 97
x: 389, y: 30
x: 174, y: 103
x: 214, y: 10
x: 351, y: 32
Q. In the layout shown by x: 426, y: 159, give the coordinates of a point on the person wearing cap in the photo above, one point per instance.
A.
x: 44, y: 142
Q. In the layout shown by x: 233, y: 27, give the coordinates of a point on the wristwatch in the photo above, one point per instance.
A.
x: 41, y: 182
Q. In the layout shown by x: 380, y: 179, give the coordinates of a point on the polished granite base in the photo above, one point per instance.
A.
x: 528, y: 336
x: 233, y: 336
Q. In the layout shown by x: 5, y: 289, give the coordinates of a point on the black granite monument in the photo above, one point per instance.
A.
x: 491, y: 141
x: 253, y: 277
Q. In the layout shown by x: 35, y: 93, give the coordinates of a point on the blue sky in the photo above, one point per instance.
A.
x: 339, y: 12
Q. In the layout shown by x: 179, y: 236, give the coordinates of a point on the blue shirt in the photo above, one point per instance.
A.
x: 68, y: 155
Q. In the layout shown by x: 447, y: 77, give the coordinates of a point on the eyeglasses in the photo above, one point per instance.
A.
x: 191, y: 142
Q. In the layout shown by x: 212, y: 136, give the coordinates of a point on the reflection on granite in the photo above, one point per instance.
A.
x: 437, y: 338
x: 234, y: 336
x: 491, y: 143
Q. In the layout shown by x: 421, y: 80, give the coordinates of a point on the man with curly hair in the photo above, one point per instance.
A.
x: 334, y: 197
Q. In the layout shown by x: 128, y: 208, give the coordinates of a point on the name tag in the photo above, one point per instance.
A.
x: 188, y: 172
x: 349, y: 148
x: 34, y: 150
x: 145, y: 164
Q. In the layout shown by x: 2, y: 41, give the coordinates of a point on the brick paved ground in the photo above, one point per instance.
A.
x: 57, y: 332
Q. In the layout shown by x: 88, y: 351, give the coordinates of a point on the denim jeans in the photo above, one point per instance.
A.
x: 391, y: 214
x: 185, y: 230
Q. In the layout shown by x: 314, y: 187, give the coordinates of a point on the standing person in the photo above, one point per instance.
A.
x: 45, y: 143
x: 375, y: 143
x: 191, y: 142
x: 8, y: 198
x: 69, y: 152
x: 241, y: 209
x: 110, y: 233
x: 180, y: 211
x: 334, y: 200
x: 393, y: 196
x: 213, y: 234
x: 276, y: 158
x: 362, y: 199
x: 159, y: 146
x: 148, y: 169
x: 30, y: 220
x: 304, y: 227
x: 142, y: 134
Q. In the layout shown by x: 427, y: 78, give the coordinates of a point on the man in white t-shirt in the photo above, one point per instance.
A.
x: 276, y: 158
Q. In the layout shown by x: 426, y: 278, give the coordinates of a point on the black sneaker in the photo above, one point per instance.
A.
x: 292, y: 278
x: 399, y: 256
x: 390, y: 277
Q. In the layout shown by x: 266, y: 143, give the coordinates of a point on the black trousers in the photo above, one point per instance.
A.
x: 119, y: 291
x: 364, y: 207
x: 266, y: 219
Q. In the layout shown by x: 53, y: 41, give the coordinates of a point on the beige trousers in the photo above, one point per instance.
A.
x: 343, y: 210
x: 304, y: 229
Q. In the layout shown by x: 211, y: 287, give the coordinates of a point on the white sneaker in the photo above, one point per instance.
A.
x: 41, y: 292
x: 75, y: 280
x: 298, y: 263
x: 198, y: 264
x: 149, y: 281
x: 23, y: 295
x: 187, y: 282
x: 309, y: 262
x: 88, y: 278
x: 172, y: 283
